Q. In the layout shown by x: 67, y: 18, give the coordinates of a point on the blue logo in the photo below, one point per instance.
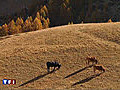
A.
x: 5, y: 81
x: 8, y: 81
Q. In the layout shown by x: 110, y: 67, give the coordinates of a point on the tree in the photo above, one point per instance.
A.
x: 19, y: 24
x: 37, y: 24
x: 45, y: 23
x: 19, y: 21
x: 110, y: 20
x: 0, y: 27
x: 48, y: 21
x: 46, y: 10
x: 30, y: 19
x: 27, y: 25
x: 42, y: 13
x: 3, y: 30
x: 19, y: 28
x: 12, y: 28
x: 38, y: 15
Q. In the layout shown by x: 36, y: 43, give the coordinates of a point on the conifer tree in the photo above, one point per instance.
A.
x: 19, y: 21
x: 110, y: 20
x: 12, y: 28
x: 37, y: 24
x: 42, y: 13
x: 19, y: 24
x: 3, y: 30
x: 48, y: 21
x: 27, y: 26
x: 41, y: 18
x: 38, y: 15
x: 46, y: 10
x: 0, y: 27
x: 45, y: 23
x: 30, y: 19
x: 19, y: 28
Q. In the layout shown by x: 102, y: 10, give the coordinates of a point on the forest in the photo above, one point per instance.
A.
x: 61, y: 12
x: 89, y: 11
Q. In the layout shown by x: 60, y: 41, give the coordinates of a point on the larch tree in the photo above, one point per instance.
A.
x: 12, y: 28
x: 5, y: 29
x: 48, y: 21
x: 45, y: 23
x: 19, y: 21
x: 45, y: 9
x: 30, y: 19
x: 27, y: 26
x: 38, y: 15
x: 19, y: 24
x: 37, y: 24
x: 42, y: 13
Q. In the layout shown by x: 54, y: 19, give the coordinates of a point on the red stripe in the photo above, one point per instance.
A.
x: 13, y: 81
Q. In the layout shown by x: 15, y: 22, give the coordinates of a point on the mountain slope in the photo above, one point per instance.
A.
x: 23, y: 57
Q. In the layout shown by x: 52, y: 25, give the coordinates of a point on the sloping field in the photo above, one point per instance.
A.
x: 23, y: 57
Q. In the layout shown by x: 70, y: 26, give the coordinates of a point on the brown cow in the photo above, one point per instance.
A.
x: 91, y: 59
x: 99, y: 68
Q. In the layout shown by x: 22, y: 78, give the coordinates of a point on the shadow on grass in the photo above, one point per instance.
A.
x: 78, y: 71
x: 38, y: 77
x: 87, y: 79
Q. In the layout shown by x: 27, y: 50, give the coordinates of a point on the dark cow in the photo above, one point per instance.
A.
x: 52, y: 64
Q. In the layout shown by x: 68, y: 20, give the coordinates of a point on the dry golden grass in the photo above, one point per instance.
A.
x: 23, y: 57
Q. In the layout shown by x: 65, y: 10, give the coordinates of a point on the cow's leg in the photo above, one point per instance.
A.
x: 54, y: 68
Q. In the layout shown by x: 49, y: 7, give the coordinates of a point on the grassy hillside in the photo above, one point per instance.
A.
x: 23, y: 57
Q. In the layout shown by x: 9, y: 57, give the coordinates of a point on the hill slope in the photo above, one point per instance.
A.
x: 23, y: 57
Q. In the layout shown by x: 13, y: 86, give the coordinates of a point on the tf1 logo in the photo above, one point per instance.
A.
x: 9, y: 81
